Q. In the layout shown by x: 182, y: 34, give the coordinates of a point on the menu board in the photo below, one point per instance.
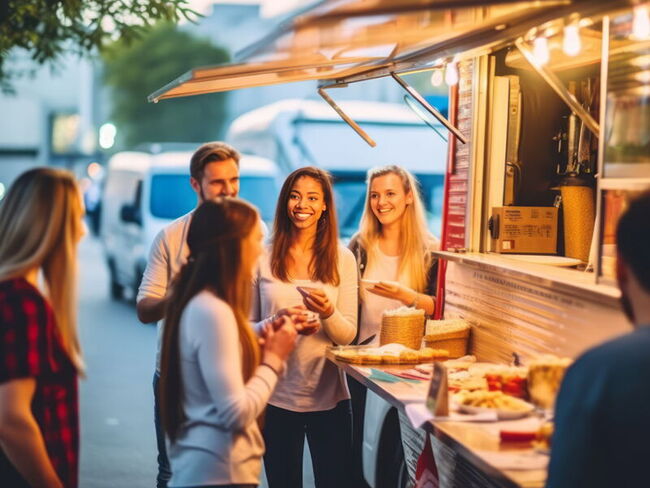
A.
x: 458, y: 177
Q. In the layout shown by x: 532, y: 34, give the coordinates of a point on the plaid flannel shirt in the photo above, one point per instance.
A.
x: 30, y: 347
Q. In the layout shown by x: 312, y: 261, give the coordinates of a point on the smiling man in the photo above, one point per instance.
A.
x: 214, y: 171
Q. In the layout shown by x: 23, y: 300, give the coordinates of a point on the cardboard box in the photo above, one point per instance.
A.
x: 524, y: 230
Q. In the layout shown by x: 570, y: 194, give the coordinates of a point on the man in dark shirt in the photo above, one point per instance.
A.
x: 602, y: 416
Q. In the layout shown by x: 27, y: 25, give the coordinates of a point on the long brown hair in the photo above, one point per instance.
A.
x: 415, y: 238
x: 40, y: 225
x: 216, y: 263
x: 324, y: 262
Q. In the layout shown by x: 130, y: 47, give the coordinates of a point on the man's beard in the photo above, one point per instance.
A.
x: 626, y: 305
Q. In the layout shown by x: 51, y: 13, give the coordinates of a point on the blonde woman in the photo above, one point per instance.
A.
x: 40, y: 224
x: 215, y: 379
x: 393, y: 250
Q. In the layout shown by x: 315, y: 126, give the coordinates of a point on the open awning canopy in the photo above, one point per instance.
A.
x: 340, y: 41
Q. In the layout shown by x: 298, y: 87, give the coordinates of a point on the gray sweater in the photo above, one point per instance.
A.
x: 220, y: 442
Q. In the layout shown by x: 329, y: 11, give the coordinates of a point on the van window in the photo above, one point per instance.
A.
x: 171, y: 196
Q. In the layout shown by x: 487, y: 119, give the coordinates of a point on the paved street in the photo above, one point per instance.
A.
x: 117, y: 436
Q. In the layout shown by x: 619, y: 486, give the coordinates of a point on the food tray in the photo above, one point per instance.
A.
x: 389, y: 354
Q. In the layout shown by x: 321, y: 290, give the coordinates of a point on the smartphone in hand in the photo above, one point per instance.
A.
x: 305, y: 290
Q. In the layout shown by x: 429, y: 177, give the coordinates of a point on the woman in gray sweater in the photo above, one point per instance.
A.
x: 215, y: 378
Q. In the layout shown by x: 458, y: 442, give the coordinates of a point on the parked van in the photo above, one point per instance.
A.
x: 145, y: 192
x: 296, y: 133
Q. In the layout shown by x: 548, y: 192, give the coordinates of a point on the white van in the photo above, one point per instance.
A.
x: 145, y: 192
x: 296, y: 133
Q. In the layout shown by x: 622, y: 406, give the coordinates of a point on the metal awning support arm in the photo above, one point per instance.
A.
x: 558, y: 87
x: 344, y: 116
x: 429, y: 108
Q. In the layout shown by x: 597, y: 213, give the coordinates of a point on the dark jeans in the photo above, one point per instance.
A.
x: 164, y: 469
x: 329, y: 434
x: 358, y: 394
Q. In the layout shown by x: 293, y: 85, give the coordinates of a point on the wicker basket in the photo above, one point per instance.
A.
x: 451, y: 335
x: 403, y: 329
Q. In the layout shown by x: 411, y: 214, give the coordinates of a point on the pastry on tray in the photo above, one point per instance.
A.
x: 409, y: 357
x: 348, y: 356
x: 428, y: 354
x: 370, y: 357
x: 388, y: 354
x: 390, y: 358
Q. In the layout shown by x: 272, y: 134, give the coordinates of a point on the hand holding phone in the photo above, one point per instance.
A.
x: 316, y: 300
x: 305, y: 290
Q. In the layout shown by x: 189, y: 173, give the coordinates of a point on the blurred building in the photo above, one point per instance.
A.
x: 50, y: 120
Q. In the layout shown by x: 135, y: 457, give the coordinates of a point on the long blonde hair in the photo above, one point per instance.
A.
x: 40, y: 225
x: 217, y: 263
x: 415, y: 239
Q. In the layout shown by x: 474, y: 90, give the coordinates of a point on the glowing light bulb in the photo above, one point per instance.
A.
x: 571, y: 43
x: 641, y: 23
x: 437, y: 77
x: 540, y: 50
x: 451, y: 73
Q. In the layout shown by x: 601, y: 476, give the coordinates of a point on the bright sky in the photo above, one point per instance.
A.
x: 269, y: 7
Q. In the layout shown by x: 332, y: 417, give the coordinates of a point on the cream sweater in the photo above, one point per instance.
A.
x: 310, y: 382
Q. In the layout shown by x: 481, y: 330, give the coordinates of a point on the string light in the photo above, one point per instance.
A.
x: 540, y: 50
x: 451, y: 73
x: 571, y: 43
x: 641, y: 23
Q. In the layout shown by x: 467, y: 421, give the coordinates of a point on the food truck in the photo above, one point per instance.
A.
x: 549, y: 119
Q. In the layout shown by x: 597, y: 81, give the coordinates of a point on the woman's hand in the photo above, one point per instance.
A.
x: 394, y: 290
x: 302, y: 319
x: 278, y: 344
x: 317, y: 301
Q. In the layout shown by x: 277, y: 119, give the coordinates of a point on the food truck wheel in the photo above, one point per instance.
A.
x: 391, y: 466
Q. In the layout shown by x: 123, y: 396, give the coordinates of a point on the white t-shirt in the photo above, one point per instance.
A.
x: 220, y: 442
x: 383, y: 268
x: 167, y: 256
x: 310, y: 383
